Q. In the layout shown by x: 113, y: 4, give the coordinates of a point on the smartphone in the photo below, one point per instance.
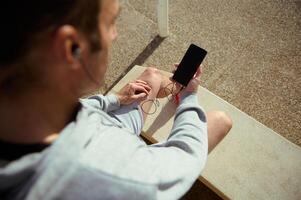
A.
x: 192, y: 59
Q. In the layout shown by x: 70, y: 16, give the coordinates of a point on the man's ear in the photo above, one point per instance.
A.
x: 66, y: 38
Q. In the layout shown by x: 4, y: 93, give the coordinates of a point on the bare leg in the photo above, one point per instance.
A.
x: 156, y: 81
x: 219, y: 124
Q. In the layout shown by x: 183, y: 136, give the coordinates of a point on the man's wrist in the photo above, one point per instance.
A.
x: 119, y: 98
x: 184, y: 94
x: 187, y: 95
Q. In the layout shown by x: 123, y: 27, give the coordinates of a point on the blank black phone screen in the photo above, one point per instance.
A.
x: 192, y: 59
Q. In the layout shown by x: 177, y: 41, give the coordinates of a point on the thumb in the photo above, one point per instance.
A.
x: 175, y: 67
x: 140, y: 96
x: 198, y: 72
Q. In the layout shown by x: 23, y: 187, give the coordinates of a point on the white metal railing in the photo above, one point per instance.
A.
x: 162, y: 16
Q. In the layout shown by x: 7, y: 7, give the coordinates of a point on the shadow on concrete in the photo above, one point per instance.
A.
x: 200, y: 191
x: 140, y: 59
x: 165, y: 114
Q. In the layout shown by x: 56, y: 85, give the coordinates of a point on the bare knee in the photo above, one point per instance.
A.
x: 152, y: 76
x: 218, y: 124
x: 151, y: 70
x: 224, y: 121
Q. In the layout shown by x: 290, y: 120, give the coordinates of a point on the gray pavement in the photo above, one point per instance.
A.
x: 254, y: 52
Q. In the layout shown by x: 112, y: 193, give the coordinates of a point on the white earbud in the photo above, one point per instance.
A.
x: 76, y: 51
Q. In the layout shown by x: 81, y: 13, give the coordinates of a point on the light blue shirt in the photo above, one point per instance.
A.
x: 96, y: 158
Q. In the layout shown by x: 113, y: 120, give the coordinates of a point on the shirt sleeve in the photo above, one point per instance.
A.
x: 106, y: 103
x: 182, y: 157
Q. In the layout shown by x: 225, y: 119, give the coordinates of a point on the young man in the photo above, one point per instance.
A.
x: 53, y: 146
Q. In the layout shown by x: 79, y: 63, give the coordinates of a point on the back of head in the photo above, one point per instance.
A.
x: 25, y: 23
x: 22, y: 21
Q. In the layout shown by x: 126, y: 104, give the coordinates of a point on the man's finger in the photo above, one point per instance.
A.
x: 198, y: 72
x: 140, y: 97
x: 141, y: 81
x: 175, y: 68
x: 147, y: 87
x: 140, y: 89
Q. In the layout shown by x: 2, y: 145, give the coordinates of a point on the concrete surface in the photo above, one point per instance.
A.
x: 242, y: 166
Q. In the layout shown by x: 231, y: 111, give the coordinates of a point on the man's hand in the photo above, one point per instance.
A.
x: 194, y: 83
x: 136, y: 91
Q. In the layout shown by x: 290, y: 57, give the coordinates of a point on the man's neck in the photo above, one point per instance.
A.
x: 35, y: 117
